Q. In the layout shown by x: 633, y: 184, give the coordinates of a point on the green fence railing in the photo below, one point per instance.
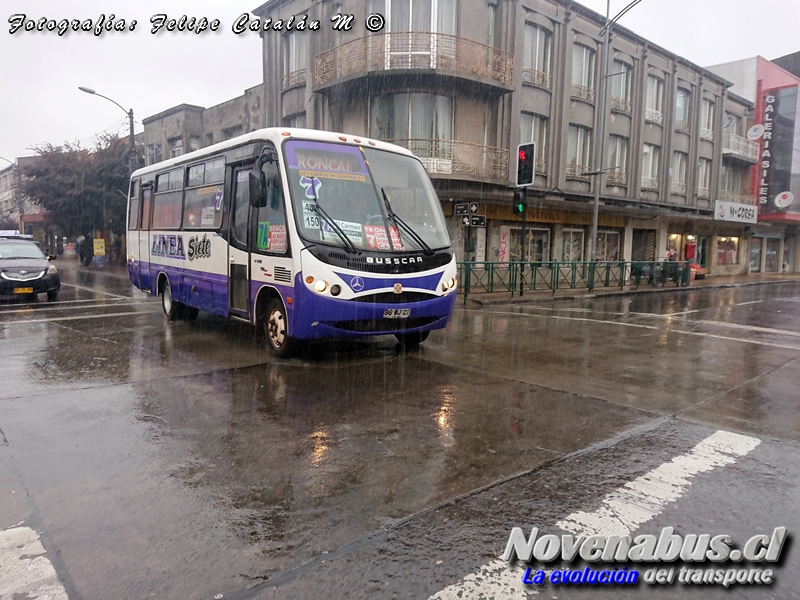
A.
x: 516, y: 278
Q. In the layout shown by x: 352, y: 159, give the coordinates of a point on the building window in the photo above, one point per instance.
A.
x: 209, y: 139
x: 175, y: 147
x: 682, y: 110
x: 406, y: 20
x: 617, y: 160
x: 533, y: 128
x: 654, y: 100
x: 727, y: 249
x: 734, y: 124
x: 194, y: 143
x: 411, y: 116
x: 621, y: 87
x: 536, y: 59
x: 707, y: 120
x: 650, y: 157
x: 679, y: 160
x: 295, y: 59
x: 231, y: 132
x: 572, y: 245
x: 154, y: 153
x: 579, y: 144
x: 583, y: 72
x: 298, y: 120
x: 607, y: 246
x: 704, y: 178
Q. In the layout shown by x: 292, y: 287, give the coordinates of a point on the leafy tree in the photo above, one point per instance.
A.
x: 83, y: 190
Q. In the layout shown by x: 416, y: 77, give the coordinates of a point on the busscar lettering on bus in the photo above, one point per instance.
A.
x: 322, y: 237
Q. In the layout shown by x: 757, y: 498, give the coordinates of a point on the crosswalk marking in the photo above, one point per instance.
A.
x: 620, y: 512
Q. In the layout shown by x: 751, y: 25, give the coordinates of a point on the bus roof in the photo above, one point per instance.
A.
x: 275, y: 135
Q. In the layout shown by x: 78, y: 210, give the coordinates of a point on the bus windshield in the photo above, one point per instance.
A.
x: 368, y: 199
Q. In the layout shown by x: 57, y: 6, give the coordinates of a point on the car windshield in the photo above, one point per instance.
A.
x: 10, y: 250
x: 368, y: 199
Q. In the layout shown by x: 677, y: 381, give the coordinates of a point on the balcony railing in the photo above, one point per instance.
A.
x: 653, y: 116
x: 650, y: 183
x: 577, y: 171
x: 450, y: 157
x: 621, y: 105
x: 739, y: 146
x: 413, y: 50
x: 703, y: 192
x: 678, y: 188
x: 293, y: 79
x: 536, y: 78
x: 682, y: 125
x: 738, y: 197
x: 706, y: 134
x: 583, y: 93
x: 541, y: 166
x: 616, y: 178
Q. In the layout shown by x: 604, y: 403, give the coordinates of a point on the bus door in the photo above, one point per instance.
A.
x: 144, y: 236
x: 133, y: 231
x: 238, y: 248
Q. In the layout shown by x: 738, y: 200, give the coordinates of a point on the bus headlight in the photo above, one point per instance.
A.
x: 335, y: 290
x: 449, y: 284
x: 321, y: 285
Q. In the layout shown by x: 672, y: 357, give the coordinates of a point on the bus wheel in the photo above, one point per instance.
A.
x: 412, y: 340
x: 172, y: 309
x: 273, y: 326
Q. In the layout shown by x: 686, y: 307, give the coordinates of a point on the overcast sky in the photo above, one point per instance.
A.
x: 41, y: 71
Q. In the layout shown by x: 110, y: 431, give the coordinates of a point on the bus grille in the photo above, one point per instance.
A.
x: 378, y: 325
x: 392, y: 298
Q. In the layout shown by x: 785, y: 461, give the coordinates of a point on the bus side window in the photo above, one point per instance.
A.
x: 146, y: 204
x: 271, y: 221
x: 133, y: 211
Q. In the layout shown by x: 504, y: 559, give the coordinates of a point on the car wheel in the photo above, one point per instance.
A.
x: 274, y: 328
x: 172, y: 309
x: 52, y: 295
x: 412, y: 340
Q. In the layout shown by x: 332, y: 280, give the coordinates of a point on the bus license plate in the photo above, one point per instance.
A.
x: 23, y: 290
x: 396, y: 313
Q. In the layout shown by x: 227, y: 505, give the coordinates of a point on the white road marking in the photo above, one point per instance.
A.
x: 60, y: 307
x: 26, y: 572
x: 75, y: 318
x: 94, y: 291
x: 750, y: 328
x: 621, y: 512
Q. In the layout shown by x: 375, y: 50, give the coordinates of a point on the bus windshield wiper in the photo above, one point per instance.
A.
x: 405, y: 226
x: 349, y: 246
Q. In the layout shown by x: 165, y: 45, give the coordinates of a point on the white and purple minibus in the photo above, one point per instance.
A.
x: 305, y: 234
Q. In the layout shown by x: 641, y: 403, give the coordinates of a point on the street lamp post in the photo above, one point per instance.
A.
x: 132, y: 140
x: 601, y: 120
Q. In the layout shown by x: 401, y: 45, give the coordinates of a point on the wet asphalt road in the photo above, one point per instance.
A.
x: 182, y: 461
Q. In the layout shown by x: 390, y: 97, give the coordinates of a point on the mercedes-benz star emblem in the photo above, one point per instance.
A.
x: 357, y: 284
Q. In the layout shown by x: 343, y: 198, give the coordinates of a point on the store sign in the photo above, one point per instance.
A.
x: 766, y: 154
x: 733, y: 211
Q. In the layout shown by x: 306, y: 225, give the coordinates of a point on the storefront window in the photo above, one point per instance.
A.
x: 572, y: 245
x: 771, y: 265
x: 788, y: 247
x: 538, y: 244
x: 726, y: 250
x: 672, y: 245
x: 607, y: 245
x: 755, y: 255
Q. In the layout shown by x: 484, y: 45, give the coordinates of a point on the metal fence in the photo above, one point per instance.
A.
x: 515, y: 278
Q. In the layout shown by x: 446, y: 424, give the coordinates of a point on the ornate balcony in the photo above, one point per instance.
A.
x: 582, y: 93
x: 577, y: 171
x: 738, y: 197
x: 679, y: 189
x: 650, y: 183
x: 450, y: 157
x: 537, y: 78
x: 541, y: 166
x: 419, y: 51
x: 703, y: 192
x: 706, y: 134
x: 651, y: 115
x: 619, y: 178
x: 621, y: 105
x: 682, y: 125
x: 739, y: 147
x: 293, y: 79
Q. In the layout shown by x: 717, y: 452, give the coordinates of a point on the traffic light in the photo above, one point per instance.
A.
x: 525, y: 158
x: 520, y: 202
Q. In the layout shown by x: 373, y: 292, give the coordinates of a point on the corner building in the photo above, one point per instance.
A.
x: 462, y: 82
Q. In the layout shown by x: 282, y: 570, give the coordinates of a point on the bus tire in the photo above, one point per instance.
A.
x: 172, y: 309
x: 412, y: 340
x: 274, y: 328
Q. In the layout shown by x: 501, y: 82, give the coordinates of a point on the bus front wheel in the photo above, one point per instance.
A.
x: 172, y: 309
x: 274, y: 328
x: 412, y: 340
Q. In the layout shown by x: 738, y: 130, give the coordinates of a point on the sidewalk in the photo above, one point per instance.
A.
x: 721, y: 281
x: 69, y: 263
